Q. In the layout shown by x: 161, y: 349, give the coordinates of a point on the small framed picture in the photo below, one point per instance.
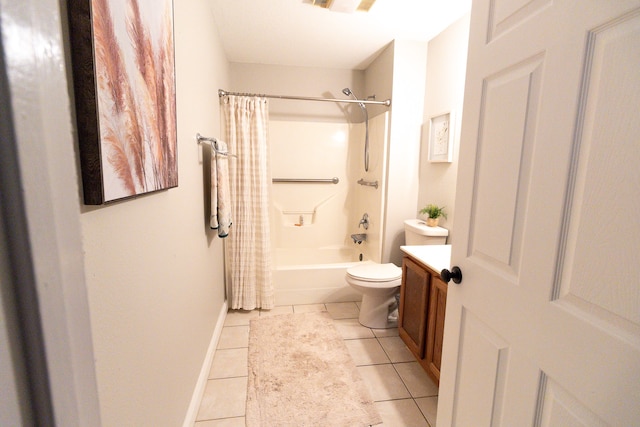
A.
x: 440, y: 138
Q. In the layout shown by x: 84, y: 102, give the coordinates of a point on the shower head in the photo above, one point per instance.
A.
x: 348, y: 92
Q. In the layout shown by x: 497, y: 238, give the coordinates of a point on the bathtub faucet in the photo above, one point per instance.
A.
x: 359, y: 238
x: 364, y: 221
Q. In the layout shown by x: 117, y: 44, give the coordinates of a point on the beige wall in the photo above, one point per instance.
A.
x: 378, y: 79
x: 300, y: 81
x: 446, y: 67
x: 154, y: 269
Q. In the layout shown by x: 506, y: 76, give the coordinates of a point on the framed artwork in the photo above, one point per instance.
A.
x: 122, y: 54
x: 441, y: 138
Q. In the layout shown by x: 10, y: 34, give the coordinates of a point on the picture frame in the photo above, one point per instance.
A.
x: 123, y: 66
x: 441, y: 138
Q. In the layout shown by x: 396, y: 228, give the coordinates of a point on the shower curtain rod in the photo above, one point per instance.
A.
x: 386, y: 103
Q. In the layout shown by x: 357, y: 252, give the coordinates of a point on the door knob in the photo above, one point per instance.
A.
x: 455, y: 274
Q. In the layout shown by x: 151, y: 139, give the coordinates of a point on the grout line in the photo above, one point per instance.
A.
x: 235, y: 377
x: 344, y: 339
x: 216, y: 419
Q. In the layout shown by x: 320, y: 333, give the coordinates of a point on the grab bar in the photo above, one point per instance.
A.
x: 298, y: 212
x: 333, y: 180
x: 368, y: 183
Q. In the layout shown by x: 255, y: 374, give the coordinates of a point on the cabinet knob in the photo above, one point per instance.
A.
x: 455, y: 274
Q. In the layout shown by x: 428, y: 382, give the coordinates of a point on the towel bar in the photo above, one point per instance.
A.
x: 214, y: 145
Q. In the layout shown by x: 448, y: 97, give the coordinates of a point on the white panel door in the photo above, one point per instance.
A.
x: 544, y: 329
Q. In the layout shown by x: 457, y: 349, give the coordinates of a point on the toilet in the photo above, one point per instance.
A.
x: 379, y: 283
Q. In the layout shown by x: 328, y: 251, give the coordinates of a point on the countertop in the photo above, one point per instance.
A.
x: 436, y: 257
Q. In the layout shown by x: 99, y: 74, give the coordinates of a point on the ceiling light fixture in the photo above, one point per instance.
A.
x: 365, y: 5
x: 345, y: 6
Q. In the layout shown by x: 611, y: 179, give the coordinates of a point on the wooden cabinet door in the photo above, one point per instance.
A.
x: 414, y: 300
x: 435, y: 328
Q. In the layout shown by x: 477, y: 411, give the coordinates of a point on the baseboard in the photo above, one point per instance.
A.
x: 192, y: 412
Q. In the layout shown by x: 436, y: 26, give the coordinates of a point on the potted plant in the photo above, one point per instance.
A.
x: 433, y: 212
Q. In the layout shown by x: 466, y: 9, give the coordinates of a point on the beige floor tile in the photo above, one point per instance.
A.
x: 396, y: 349
x: 350, y: 329
x: 240, y: 317
x: 383, y: 382
x: 224, y: 422
x: 429, y: 408
x: 404, y: 412
x: 389, y: 332
x: 234, y: 337
x: 229, y: 363
x: 416, y: 379
x: 309, y: 308
x: 343, y: 310
x: 281, y: 309
x: 391, y: 386
x: 223, y: 398
x: 366, y: 352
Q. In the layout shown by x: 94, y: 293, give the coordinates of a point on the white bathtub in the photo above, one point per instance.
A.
x: 313, y: 276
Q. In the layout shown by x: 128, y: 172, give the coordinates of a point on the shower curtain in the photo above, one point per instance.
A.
x: 248, y: 247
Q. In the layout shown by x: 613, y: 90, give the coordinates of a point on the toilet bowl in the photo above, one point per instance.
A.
x: 378, y: 283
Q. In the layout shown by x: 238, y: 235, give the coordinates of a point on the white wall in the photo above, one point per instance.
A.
x: 309, y: 150
x: 366, y: 199
x: 409, y: 69
x: 14, y: 408
x: 446, y: 68
x: 41, y: 216
x: 154, y: 269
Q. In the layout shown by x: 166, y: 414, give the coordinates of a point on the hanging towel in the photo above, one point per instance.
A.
x: 220, y: 190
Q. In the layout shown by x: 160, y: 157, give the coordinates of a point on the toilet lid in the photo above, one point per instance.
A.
x: 375, y: 272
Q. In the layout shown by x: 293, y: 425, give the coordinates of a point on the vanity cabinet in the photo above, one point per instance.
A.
x: 413, y: 307
x: 423, y: 299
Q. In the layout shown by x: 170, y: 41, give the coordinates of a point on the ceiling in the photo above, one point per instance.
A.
x: 296, y: 33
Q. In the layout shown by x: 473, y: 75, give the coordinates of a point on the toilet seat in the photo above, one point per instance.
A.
x: 376, y: 275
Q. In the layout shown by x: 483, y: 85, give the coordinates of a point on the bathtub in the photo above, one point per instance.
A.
x: 313, y: 275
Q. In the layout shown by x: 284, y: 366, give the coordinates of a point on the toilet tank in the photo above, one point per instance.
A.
x: 417, y: 232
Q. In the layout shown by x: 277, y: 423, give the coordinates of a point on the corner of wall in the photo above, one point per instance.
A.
x: 445, y: 79
x: 409, y: 70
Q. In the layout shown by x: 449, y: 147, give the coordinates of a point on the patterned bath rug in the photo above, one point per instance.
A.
x: 301, y: 374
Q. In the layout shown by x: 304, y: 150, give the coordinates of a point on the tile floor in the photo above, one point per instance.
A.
x: 402, y: 391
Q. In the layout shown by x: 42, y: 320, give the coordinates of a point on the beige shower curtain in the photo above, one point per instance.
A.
x: 248, y: 247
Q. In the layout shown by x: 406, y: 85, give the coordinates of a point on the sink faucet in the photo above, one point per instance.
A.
x: 364, y: 221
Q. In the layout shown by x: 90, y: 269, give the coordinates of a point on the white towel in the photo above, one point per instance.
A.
x: 220, y: 192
